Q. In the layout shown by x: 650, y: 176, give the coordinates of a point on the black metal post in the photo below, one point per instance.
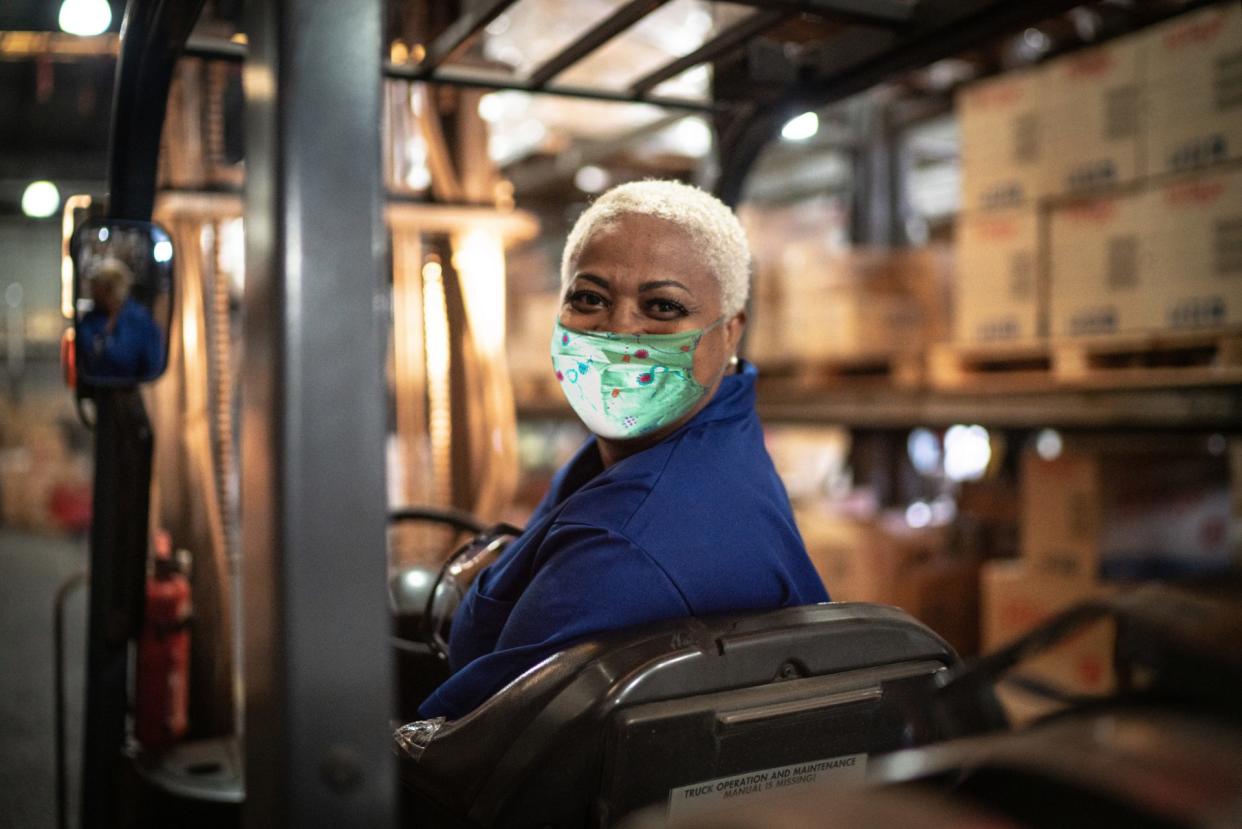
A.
x: 118, y: 543
x: 151, y: 38
x: 58, y: 682
x: 316, y: 625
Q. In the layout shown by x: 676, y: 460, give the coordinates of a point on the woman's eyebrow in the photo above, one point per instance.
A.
x: 590, y: 277
x: 662, y: 283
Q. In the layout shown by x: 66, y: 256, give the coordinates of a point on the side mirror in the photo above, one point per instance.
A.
x: 122, y: 300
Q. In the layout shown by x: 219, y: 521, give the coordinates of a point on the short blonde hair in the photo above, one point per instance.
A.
x: 115, y: 277
x: 709, y: 223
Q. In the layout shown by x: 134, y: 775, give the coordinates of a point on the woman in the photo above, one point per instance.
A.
x: 119, y: 340
x: 673, y: 508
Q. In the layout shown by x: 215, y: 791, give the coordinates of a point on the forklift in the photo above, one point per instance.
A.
x: 636, y: 728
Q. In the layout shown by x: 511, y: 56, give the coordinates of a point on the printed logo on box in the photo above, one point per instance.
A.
x: 1198, y: 312
x: 1001, y: 329
x: 764, y: 785
x: 1209, y: 149
x: 1094, y: 321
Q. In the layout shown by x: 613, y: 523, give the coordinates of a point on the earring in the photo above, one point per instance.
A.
x: 733, y: 361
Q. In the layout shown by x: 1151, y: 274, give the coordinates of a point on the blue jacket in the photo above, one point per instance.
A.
x: 133, y: 350
x: 697, y: 524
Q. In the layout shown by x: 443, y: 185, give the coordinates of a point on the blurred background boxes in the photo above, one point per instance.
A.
x: 818, y: 304
x: 1016, y: 597
x: 1003, y: 123
x: 1127, y: 515
x: 1194, y: 89
x: 998, y: 290
x: 529, y: 341
x: 1167, y: 257
x: 1095, y: 117
x: 1196, y: 249
x: 885, y: 560
x: 1099, y: 256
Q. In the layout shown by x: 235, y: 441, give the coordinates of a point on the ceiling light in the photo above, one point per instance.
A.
x: 85, y: 17
x: 967, y: 452
x: 163, y: 251
x: 40, y: 200
x: 1048, y: 444
x: 801, y: 128
x: 591, y: 179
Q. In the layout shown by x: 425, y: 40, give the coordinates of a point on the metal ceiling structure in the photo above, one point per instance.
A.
x: 769, y: 79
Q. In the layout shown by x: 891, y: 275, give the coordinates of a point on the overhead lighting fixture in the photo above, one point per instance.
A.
x: 1048, y: 444
x: 85, y: 17
x: 591, y: 179
x: 801, y: 128
x: 40, y: 200
x: 967, y: 452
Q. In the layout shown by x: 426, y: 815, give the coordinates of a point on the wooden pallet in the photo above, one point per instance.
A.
x: 1125, y: 361
x: 1167, y: 359
x: 989, y: 366
x: 902, y: 370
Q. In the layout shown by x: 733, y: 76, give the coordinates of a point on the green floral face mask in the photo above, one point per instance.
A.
x: 627, y: 385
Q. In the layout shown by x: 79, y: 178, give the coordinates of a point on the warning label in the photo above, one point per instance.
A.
x: 748, y: 788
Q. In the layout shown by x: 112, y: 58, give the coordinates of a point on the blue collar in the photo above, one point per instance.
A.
x: 734, y: 398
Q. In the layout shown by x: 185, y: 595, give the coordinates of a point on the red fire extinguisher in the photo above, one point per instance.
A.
x: 162, y: 679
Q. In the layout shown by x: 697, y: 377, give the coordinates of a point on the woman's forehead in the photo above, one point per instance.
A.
x: 640, y: 248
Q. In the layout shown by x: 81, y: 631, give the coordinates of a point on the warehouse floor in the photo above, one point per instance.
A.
x: 31, y: 569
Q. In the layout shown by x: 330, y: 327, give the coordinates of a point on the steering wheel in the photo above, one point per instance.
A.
x: 448, y: 587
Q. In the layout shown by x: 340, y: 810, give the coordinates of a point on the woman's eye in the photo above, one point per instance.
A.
x: 586, y: 299
x: 667, y: 308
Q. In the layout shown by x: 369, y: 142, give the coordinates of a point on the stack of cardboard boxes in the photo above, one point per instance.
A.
x: 44, y: 486
x: 1102, y: 191
x: 883, y: 559
x: 1093, y: 520
x: 528, y: 345
x: 818, y: 304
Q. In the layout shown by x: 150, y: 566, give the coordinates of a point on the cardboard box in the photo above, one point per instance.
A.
x: 1195, y: 89
x: 926, y: 274
x: 1126, y: 516
x: 529, y: 338
x: 819, y: 304
x: 999, y: 285
x: 1003, y: 123
x: 849, y: 322
x: 1094, y: 116
x: 1193, y: 226
x: 1098, y: 275
x: 1016, y: 598
x: 888, y: 562
x: 944, y: 595
x: 867, y: 560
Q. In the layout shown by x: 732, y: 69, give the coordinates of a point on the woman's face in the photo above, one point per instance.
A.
x: 643, y: 275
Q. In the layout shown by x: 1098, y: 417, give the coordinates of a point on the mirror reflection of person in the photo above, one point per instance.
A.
x: 119, y: 338
x: 673, y: 507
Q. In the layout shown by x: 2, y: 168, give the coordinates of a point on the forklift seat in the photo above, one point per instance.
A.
x: 685, y: 711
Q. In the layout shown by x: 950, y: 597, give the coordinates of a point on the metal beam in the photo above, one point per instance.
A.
x: 845, y: 68
x: 456, y: 35
x: 950, y: 27
x: 449, y: 77
x: 214, y: 49
x: 318, y: 685
x: 597, y: 36
x: 720, y: 45
x: 885, y: 14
